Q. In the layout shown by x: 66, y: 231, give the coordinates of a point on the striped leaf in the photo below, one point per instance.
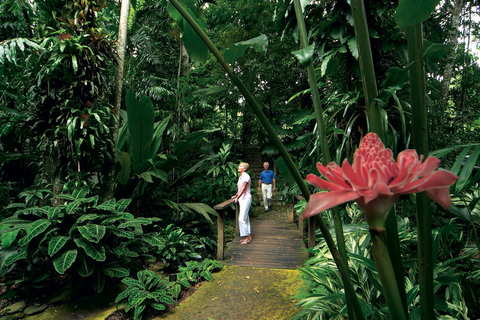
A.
x: 137, y: 315
x: 117, y: 272
x: 96, y: 252
x: 92, y: 232
x: 35, y: 229
x: 123, y: 233
x: 98, y: 282
x: 154, y: 241
x: 158, y: 306
x: 84, y: 266
x: 22, y: 254
x: 56, y: 244
x: 65, y: 261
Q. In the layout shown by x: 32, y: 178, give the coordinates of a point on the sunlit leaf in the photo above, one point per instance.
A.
x: 305, y: 55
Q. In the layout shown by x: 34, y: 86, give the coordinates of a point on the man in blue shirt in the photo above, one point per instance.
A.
x: 267, y: 183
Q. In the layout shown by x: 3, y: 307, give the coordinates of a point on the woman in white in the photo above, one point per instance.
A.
x: 244, y: 199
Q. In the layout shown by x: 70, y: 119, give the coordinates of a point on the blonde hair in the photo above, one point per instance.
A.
x: 244, y: 164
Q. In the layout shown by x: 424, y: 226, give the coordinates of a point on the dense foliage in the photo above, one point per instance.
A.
x: 184, y: 126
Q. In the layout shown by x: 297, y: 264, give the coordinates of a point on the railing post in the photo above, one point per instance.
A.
x: 220, y: 234
x: 220, y: 208
x: 237, y: 213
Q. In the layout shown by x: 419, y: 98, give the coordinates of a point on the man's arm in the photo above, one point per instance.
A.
x: 273, y: 180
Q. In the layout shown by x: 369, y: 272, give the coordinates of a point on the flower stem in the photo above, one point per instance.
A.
x: 420, y: 143
x: 352, y: 302
x: 386, y: 273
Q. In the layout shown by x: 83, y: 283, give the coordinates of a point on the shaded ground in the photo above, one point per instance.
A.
x: 242, y: 293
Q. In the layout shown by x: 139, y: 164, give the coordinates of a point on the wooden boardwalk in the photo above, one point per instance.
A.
x: 276, y: 242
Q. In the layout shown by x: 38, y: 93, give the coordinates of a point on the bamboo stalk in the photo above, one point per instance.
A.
x: 420, y: 143
x: 352, y: 301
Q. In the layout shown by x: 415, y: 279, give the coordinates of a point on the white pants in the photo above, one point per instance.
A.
x: 267, y: 195
x: 243, y: 217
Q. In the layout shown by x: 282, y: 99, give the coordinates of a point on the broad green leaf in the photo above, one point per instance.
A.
x: 237, y: 50
x: 98, y: 282
x: 126, y: 168
x: 84, y: 266
x: 74, y: 63
x: 94, y: 251
x: 147, y: 176
x: 35, y: 229
x: 122, y: 136
x: 305, y: 55
x: 137, y: 314
x: 79, y: 193
x: 396, y: 80
x: 412, y: 12
x: 434, y: 52
x: 72, y: 207
x: 140, y: 128
x: 123, y: 233
x: 22, y: 254
x: 203, y: 209
x: 55, y: 244
x: 65, y: 261
x: 92, y: 232
x: 8, y: 238
x: 117, y: 272
x: 122, y: 204
x: 352, y: 45
x: 158, y: 306
x: 157, y: 136
x: 196, y: 48
x: 154, y: 241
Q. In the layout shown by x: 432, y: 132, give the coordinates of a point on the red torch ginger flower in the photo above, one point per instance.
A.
x: 375, y: 180
x: 88, y: 104
x: 85, y: 116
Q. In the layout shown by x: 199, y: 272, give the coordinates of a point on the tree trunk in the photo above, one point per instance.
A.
x: 448, y: 71
x: 109, y: 182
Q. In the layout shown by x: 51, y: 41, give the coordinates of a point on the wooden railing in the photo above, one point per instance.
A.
x: 221, y: 225
x: 220, y: 208
x: 311, y: 225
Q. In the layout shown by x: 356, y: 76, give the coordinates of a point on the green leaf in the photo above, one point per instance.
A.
x: 92, y: 232
x: 196, y: 48
x: 65, y: 261
x: 56, y: 244
x: 412, y: 12
x: 203, y: 209
x: 98, y: 282
x: 22, y: 254
x: 153, y: 240
x: 140, y: 128
x: 74, y: 63
x: 9, y: 237
x: 396, y: 80
x: 96, y: 252
x: 117, y: 272
x: 157, y: 136
x: 137, y: 315
x: 237, y: 50
x: 123, y: 176
x: 122, y: 204
x: 84, y: 266
x: 352, y: 45
x: 158, y: 306
x: 305, y: 55
x: 434, y: 52
x: 123, y: 233
x: 35, y: 229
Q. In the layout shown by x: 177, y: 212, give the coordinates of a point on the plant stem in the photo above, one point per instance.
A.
x: 386, y: 273
x: 352, y: 302
x: 420, y: 143
x: 366, y: 67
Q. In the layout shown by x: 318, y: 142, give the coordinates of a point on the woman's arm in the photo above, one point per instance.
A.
x: 240, y: 192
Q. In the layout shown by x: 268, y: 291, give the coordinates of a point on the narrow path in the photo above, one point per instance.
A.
x: 276, y: 242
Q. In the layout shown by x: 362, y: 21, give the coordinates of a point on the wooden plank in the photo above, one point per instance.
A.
x: 220, y: 234
x: 275, y: 244
x: 223, y: 205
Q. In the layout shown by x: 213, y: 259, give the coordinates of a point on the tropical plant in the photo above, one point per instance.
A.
x: 79, y: 237
x: 179, y: 247
x: 148, y: 290
x: 455, y: 272
x: 151, y: 291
